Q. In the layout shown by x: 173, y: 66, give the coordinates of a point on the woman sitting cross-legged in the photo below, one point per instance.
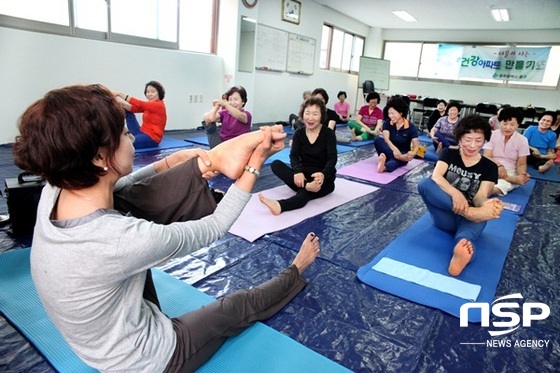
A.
x: 91, y: 264
x: 442, y: 132
x: 457, y: 193
x: 313, y: 158
x: 399, y: 143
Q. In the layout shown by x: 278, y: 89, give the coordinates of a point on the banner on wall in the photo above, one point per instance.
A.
x: 517, y: 64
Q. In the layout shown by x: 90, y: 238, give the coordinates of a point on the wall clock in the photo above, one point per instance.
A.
x: 291, y: 11
x: 250, y: 3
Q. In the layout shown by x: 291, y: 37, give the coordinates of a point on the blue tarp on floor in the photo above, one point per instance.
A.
x: 360, y: 327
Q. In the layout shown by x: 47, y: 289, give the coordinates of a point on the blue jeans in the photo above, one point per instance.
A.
x: 382, y: 148
x: 445, y: 142
x: 141, y: 140
x: 440, y: 207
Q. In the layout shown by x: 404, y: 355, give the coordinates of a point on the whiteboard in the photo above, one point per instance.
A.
x: 376, y: 70
x: 301, y: 55
x: 272, y: 49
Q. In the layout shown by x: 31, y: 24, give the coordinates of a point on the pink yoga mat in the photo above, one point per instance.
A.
x: 367, y: 170
x: 256, y: 220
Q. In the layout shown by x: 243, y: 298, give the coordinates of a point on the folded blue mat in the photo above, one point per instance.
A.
x: 166, y: 143
x: 518, y: 198
x: 553, y: 174
x: 200, y: 140
x: 429, y: 250
x: 259, y: 348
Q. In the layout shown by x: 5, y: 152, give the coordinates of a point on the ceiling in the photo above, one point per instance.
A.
x: 451, y: 14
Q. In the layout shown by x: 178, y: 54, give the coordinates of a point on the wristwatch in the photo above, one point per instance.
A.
x: 252, y: 170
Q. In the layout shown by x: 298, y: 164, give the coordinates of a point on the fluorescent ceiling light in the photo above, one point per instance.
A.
x: 404, y: 15
x: 249, y: 19
x: 500, y: 15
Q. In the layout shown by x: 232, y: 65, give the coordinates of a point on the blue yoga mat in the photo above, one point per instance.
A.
x: 519, y: 198
x: 200, y: 140
x: 166, y: 143
x: 259, y: 348
x: 357, y: 144
x: 428, y: 250
x: 553, y: 174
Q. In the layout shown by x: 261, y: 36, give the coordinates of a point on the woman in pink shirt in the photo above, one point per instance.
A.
x: 342, y: 108
x: 509, y: 150
x: 369, y: 120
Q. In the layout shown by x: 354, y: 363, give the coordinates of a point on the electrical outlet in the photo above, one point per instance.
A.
x: 200, y: 98
x: 195, y: 99
x: 190, y: 99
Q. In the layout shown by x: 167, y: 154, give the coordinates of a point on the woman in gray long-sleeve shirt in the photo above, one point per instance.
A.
x: 90, y: 263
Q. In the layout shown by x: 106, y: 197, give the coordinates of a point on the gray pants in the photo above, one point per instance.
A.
x: 201, y: 333
x: 213, y: 134
x: 181, y: 194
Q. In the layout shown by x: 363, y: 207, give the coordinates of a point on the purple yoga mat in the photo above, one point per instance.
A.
x: 367, y: 170
x: 256, y: 219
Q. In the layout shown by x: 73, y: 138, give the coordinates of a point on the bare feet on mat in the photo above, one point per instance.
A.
x: 381, y: 163
x: 272, y: 204
x: 354, y: 137
x: 307, y: 253
x: 545, y: 167
x: 491, y: 209
x: 462, y: 255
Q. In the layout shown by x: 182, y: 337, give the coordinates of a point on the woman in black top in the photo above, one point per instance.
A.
x: 313, y: 158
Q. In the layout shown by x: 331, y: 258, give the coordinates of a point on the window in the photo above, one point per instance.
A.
x: 534, y: 66
x: 49, y: 11
x: 340, y: 50
x: 174, y: 24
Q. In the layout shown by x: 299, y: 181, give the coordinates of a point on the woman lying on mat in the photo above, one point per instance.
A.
x: 509, y: 149
x: 457, y: 193
x: 399, y: 143
x: 90, y: 263
x: 313, y: 158
x: 154, y: 115
x: 443, y: 131
x: 230, y: 111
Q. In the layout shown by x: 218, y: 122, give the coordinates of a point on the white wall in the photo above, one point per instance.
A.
x: 33, y: 63
x: 277, y: 95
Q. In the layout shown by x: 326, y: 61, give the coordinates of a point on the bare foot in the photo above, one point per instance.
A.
x: 491, y: 209
x: 307, y: 253
x: 462, y: 255
x: 272, y: 204
x: 230, y: 157
x: 545, y: 167
x: 381, y: 163
x: 439, y: 148
x: 354, y: 137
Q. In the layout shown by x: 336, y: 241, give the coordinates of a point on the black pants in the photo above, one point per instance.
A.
x: 302, y: 196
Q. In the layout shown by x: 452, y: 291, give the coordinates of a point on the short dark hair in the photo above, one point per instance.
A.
x: 551, y: 113
x: 314, y: 101
x: 442, y: 101
x: 453, y: 104
x: 60, y: 135
x: 472, y: 123
x: 342, y: 93
x: 159, y: 88
x: 239, y: 89
x: 508, y: 113
x: 322, y: 92
x: 399, y: 105
x: 373, y: 95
